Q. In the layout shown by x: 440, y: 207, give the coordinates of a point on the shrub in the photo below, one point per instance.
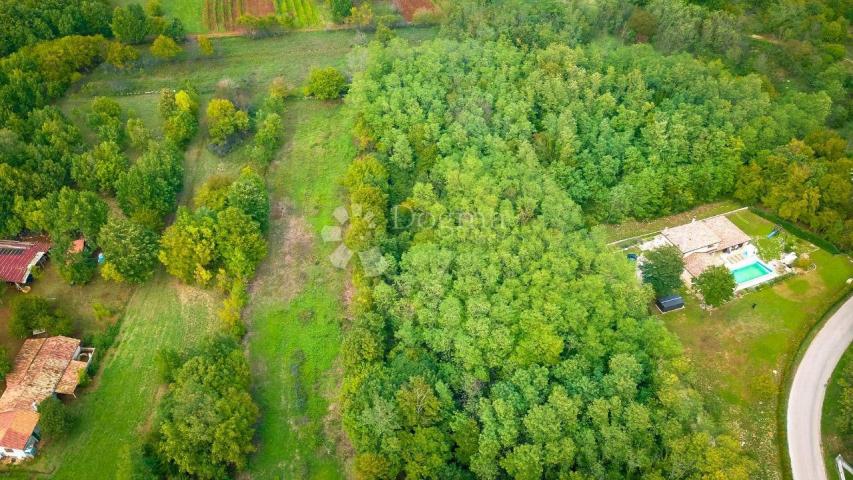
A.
x: 77, y: 268
x: 36, y: 313
x: 137, y: 133
x: 121, y: 56
x: 224, y: 124
x: 54, y: 418
x: 205, y: 46
x: 325, y: 83
x: 340, y: 9
x: 5, y: 364
x: 165, y: 48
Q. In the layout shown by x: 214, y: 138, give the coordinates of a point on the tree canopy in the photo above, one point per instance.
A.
x: 501, y: 338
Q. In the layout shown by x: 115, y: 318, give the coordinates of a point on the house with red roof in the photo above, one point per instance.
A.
x: 17, y: 260
x: 43, y: 367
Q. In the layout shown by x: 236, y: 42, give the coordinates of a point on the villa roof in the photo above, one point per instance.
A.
x: 691, y: 236
x: 729, y: 234
x: 16, y: 427
x: 39, y: 367
x: 18, y: 258
x: 696, y: 263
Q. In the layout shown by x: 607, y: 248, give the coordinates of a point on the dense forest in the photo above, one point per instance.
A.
x: 502, y: 338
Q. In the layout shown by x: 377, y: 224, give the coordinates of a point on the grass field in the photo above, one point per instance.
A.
x: 291, y: 56
x: 835, y: 440
x: 301, y: 307
x: 742, y: 350
x: 296, y: 307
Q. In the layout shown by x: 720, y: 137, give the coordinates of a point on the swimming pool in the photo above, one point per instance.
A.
x: 750, y: 272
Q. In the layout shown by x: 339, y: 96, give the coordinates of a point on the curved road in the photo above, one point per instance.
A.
x: 808, y: 390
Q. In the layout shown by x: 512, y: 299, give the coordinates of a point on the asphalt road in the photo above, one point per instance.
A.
x: 808, y: 390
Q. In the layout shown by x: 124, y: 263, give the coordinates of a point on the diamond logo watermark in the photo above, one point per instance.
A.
x: 372, y: 261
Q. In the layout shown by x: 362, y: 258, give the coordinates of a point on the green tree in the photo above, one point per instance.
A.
x: 717, y: 285
x: 36, y: 313
x: 325, y: 83
x: 5, y: 364
x: 148, y: 191
x: 130, y: 251
x: 249, y: 194
x: 340, y: 9
x: 99, y: 168
x: 662, y: 269
x: 165, y: 48
x: 130, y: 24
x: 55, y: 419
x: 209, y: 416
x: 188, y: 247
x: 121, y: 56
x: 239, y: 243
x: 225, y: 122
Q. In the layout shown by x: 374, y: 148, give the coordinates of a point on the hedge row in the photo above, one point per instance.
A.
x: 796, y: 230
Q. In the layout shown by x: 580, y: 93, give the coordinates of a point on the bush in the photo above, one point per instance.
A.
x: 205, y: 46
x: 225, y: 123
x: 54, y: 418
x: 340, y: 9
x: 5, y: 364
x: 77, y: 268
x: 36, y: 313
x: 325, y: 83
x: 121, y: 56
x: 165, y: 48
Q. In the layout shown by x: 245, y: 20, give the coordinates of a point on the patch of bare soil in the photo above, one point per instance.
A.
x: 283, y: 274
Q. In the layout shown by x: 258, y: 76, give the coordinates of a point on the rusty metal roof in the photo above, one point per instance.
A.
x: 18, y: 258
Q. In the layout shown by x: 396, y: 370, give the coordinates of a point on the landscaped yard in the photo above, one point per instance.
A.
x: 836, y: 439
x: 742, y: 350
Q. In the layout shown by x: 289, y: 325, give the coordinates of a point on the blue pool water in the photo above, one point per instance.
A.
x: 750, y: 272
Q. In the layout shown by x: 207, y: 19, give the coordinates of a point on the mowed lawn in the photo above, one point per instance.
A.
x: 297, y: 306
x: 742, y: 350
x: 836, y: 439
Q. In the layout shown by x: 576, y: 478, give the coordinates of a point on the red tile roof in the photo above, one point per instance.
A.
x: 16, y: 427
x: 18, y: 258
x: 39, y: 368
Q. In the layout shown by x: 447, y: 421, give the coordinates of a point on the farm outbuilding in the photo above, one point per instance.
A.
x: 17, y: 259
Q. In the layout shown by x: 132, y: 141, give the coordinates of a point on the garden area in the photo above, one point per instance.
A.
x: 742, y: 351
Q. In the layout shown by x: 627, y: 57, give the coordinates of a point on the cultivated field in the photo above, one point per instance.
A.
x: 222, y: 15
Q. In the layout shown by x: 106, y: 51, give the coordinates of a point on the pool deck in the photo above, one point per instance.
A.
x: 749, y: 260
